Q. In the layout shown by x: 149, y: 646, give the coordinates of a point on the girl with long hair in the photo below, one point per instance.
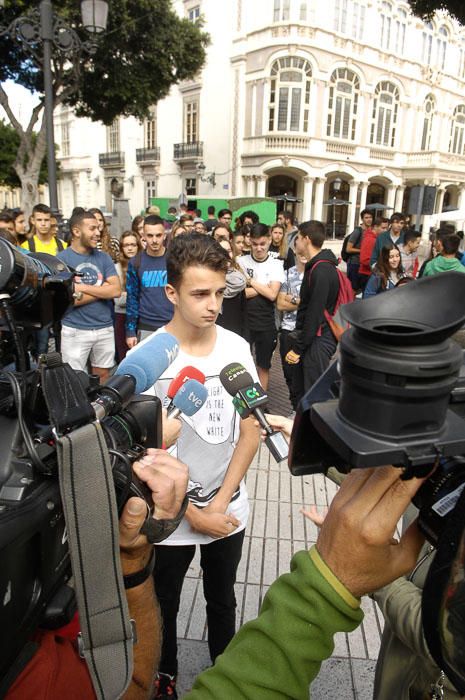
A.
x: 277, y: 248
x: 233, y: 314
x: 387, y: 272
x: 106, y: 243
x: 130, y: 245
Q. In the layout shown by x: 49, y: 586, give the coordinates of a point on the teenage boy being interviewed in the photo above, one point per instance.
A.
x: 264, y: 275
x: 216, y: 445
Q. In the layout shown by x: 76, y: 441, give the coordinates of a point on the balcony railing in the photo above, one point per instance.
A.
x: 381, y: 154
x: 114, y: 159
x: 346, y: 149
x: 188, y: 151
x: 148, y: 155
x: 287, y: 142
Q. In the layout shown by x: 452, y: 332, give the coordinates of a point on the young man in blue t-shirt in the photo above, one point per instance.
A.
x: 147, y: 306
x: 87, y: 328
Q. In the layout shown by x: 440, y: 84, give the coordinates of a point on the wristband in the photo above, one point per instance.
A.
x: 158, y: 530
x: 133, y: 580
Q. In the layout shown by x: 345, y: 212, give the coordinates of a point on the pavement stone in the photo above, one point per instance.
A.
x: 276, y: 530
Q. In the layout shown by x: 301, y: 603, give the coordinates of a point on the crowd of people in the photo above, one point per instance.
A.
x: 229, y: 295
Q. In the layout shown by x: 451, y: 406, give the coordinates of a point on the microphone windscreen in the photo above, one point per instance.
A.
x: 190, y: 397
x: 235, y: 377
x: 148, y: 362
x: 182, y: 376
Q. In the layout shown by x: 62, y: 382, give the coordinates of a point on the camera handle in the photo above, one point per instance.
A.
x: 89, y: 505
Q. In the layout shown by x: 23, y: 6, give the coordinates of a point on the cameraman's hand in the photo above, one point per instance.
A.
x: 131, y: 342
x: 171, y: 429
x: 356, y: 539
x: 132, y: 518
x: 167, y: 478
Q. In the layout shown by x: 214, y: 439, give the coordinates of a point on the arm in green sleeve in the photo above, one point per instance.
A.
x: 280, y: 652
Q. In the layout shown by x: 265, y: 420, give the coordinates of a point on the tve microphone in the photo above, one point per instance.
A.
x: 147, y: 363
x: 247, y: 399
x: 182, y: 376
x: 189, y: 399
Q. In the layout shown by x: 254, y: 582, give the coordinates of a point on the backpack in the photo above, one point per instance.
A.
x: 32, y: 244
x: 345, y: 295
x: 344, y: 254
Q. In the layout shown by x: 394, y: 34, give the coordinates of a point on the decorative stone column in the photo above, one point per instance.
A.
x: 353, y: 189
x: 440, y: 198
x: 261, y: 185
x: 307, y: 203
x: 391, y: 196
x: 363, y: 194
x: 399, y: 198
x: 319, y: 193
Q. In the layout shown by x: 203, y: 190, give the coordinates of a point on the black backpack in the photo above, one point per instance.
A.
x: 344, y: 254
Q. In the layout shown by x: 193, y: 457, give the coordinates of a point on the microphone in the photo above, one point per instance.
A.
x: 248, y: 396
x: 136, y: 373
x: 182, y: 376
x: 147, y: 362
x: 189, y: 399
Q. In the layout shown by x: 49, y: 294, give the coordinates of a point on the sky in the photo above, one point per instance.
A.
x: 21, y: 102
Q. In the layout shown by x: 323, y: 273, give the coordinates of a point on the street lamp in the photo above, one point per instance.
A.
x: 211, y: 177
x: 41, y: 27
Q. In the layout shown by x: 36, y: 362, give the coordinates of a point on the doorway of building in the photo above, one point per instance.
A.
x: 278, y: 185
x: 336, y: 214
x: 375, y: 193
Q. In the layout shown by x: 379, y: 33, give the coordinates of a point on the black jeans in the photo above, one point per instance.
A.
x: 289, y: 371
x: 314, y: 361
x: 219, y: 561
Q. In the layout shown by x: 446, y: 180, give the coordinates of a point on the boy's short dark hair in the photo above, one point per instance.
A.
x: 253, y: 216
x: 313, y: 230
x: 41, y: 209
x: 366, y: 211
x: 194, y: 250
x: 380, y: 220
x: 6, y: 217
x: 222, y: 212
x: 397, y: 216
x: 411, y: 235
x: 260, y: 230
x: 211, y: 210
x: 153, y: 220
x: 77, y: 219
x: 450, y: 242
x: 287, y: 215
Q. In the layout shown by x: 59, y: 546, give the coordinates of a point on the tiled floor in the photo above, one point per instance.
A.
x: 275, y: 531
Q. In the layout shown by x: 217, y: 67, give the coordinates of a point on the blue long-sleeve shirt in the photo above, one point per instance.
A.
x: 147, y: 306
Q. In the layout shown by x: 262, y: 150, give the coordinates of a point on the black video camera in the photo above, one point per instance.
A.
x: 36, y: 405
x: 396, y: 395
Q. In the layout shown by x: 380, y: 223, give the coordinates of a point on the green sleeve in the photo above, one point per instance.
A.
x: 278, y: 654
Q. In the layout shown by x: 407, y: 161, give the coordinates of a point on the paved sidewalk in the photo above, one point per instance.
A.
x: 275, y: 531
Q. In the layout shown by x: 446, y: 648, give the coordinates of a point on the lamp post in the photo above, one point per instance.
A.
x: 336, y: 189
x: 42, y: 28
x: 211, y: 177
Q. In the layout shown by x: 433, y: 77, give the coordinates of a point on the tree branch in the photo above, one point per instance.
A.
x: 6, y: 106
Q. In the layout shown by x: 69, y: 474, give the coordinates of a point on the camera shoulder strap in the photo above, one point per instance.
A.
x: 89, y: 506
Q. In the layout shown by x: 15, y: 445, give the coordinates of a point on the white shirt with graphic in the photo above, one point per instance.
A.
x: 208, y: 438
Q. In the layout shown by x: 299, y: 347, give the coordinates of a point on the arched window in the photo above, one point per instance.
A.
x: 343, y: 104
x: 400, y: 27
x: 427, y: 43
x: 457, y: 141
x: 289, y: 94
x: 428, y: 114
x: 385, y: 108
x: 441, y: 47
x: 386, y: 25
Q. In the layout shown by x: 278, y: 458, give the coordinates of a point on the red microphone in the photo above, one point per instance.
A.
x: 182, y: 376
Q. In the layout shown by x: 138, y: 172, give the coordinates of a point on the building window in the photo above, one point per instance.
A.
x: 358, y: 20
x: 65, y: 146
x: 340, y: 16
x: 150, y: 131
x: 457, y: 131
x: 113, y: 137
x: 461, y: 71
x: 150, y: 190
x: 303, y: 11
x: 343, y: 104
x: 441, y: 47
x: 428, y: 112
x: 193, y: 14
x: 191, y: 186
x: 349, y: 18
x: 386, y: 25
x: 289, y: 102
x: 281, y: 10
x: 400, y: 28
x: 385, y: 109
x: 191, y: 121
x: 427, y: 43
